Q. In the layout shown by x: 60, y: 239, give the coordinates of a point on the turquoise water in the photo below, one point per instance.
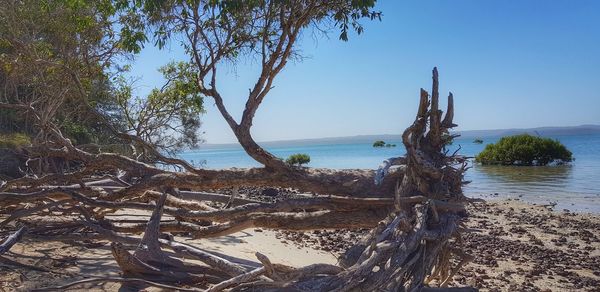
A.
x: 575, y: 187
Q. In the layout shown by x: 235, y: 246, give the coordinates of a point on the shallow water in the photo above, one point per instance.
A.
x: 575, y: 186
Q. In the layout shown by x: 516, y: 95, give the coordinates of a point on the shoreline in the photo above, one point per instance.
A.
x: 554, y: 204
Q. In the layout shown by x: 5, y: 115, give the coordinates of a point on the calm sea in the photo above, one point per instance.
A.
x: 575, y: 187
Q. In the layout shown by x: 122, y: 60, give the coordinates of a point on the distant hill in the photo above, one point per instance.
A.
x: 542, y: 131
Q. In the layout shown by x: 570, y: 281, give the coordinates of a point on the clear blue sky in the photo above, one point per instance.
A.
x: 510, y: 64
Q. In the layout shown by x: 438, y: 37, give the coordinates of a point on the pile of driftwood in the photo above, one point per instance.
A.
x: 412, y: 204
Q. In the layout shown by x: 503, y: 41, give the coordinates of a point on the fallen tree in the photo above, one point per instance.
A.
x: 414, y: 211
x: 412, y: 204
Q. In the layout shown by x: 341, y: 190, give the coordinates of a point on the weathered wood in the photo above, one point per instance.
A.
x: 238, y: 279
x: 434, y: 113
x: 149, y: 247
x: 448, y: 119
x: 12, y: 239
x: 413, y: 211
x: 353, y: 182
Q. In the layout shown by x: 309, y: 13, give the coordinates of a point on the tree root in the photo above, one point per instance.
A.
x: 413, y: 210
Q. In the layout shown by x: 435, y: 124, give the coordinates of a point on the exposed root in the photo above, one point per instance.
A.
x: 414, y: 211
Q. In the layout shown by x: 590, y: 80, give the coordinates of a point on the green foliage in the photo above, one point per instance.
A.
x: 524, y: 150
x: 478, y: 141
x: 244, y: 17
x: 379, y: 143
x: 14, y: 140
x: 58, y: 56
x: 78, y: 133
x: 169, y: 117
x: 298, y: 159
x: 181, y: 87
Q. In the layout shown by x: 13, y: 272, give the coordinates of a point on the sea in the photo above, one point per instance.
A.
x: 574, y: 187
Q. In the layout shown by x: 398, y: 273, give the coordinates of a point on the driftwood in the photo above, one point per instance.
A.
x: 11, y: 240
x: 414, y: 211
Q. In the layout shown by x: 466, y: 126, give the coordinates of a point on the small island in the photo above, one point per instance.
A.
x: 478, y: 141
x: 524, y: 150
x: 381, y: 143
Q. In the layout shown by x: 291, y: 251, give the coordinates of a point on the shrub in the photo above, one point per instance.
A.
x: 78, y: 133
x: 524, y: 150
x: 298, y: 159
x: 379, y: 143
x: 14, y: 140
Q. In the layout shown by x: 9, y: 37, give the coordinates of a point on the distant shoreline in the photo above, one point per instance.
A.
x: 542, y: 131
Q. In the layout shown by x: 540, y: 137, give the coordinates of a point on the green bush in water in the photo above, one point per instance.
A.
x: 379, y: 143
x: 524, y: 150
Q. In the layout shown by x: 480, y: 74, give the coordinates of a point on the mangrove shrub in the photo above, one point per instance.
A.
x: 379, y: 143
x: 524, y: 150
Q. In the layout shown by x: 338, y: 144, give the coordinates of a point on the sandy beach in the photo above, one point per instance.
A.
x: 517, y: 247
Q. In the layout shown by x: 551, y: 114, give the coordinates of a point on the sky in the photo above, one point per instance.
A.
x: 509, y: 64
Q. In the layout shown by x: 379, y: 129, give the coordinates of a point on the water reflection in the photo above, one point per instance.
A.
x: 570, y: 186
x: 538, y: 180
x: 536, y: 175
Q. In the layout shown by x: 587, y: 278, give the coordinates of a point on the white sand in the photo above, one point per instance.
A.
x: 244, y: 244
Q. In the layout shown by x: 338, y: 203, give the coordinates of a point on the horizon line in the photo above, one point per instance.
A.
x: 361, y: 135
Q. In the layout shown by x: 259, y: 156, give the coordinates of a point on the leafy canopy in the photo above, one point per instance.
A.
x: 65, y: 57
x: 168, y: 118
x: 524, y: 150
x: 249, y: 21
x: 59, y: 56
